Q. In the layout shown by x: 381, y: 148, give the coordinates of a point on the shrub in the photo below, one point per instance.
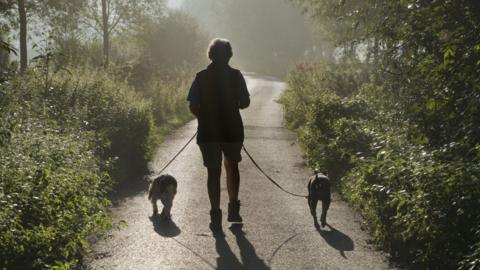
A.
x: 119, y: 117
x: 420, y: 199
x: 52, y: 195
x: 169, y: 105
x: 329, y: 122
x: 59, y: 136
x: 421, y: 205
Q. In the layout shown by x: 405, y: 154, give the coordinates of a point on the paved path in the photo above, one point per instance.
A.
x: 278, y: 231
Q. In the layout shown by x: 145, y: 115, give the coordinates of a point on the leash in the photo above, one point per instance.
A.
x: 268, y: 177
x: 249, y: 156
x: 179, y: 152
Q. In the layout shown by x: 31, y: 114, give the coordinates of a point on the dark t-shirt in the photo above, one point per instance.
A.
x: 218, y: 91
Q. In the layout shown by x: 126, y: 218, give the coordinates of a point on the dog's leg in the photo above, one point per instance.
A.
x: 312, y: 203
x: 166, y: 199
x: 154, y: 206
x: 325, y: 206
x: 313, y: 210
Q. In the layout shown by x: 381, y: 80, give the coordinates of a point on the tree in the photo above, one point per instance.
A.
x: 164, y: 46
x: 348, y: 24
x: 426, y: 91
x: 106, y: 17
x: 5, y: 47
x: 18, y: 13
x: 22, y: 18
x: 268, y: 36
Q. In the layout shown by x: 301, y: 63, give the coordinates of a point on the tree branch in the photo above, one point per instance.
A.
x: 114, y: 23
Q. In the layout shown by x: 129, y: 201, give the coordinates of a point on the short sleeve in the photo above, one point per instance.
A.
x: 242, y: 88
x: 194, y: 93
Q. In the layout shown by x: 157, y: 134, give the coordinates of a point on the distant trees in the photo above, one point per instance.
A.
x: 63, y: 18
x: 108, y: 16
x: 167, y: 45
x: 346, y: 23
x: 429, y: 47
x: 48, y: 12
x: 268, y: 36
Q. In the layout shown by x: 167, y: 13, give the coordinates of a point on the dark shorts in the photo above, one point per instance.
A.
x: 212, y: 153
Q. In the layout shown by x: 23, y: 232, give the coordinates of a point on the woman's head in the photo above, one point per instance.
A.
x: 220, y: 50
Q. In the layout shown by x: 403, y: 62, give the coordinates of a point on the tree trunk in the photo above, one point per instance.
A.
x: 23, y: 35
x: 106, y: 38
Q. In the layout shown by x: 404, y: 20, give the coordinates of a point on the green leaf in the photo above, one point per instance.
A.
x: 431, y: 104
x: 448, y: 53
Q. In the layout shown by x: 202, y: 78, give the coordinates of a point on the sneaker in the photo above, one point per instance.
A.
x: 234, y: 212
x: 215, y: 220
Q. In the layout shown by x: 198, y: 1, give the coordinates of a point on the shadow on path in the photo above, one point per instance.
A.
x: 337, y: 240
x: 280, y: 247
x: 128, y: 189
x: 194, y: 252
x: 249, y: 257
x: 164, y: 227
x: 226, y: 258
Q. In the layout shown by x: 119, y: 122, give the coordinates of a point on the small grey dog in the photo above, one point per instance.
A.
x: 164, y: 188
x: 319, y: 190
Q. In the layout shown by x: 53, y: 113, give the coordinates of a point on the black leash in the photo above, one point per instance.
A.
x: 249, y: 156
x: 179, y: 152
x: 269, y: 178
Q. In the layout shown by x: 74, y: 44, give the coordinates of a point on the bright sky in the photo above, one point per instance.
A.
x: 174, y: 3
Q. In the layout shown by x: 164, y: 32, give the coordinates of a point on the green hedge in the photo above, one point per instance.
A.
x: 120, y: 117
x: 52, y: 196
x: 328, y: 122
x: 421, y: 200
x: 63, y: 137
x: 168, y: 98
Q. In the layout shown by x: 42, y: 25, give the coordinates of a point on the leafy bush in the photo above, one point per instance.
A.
x: 421, y: 204
x: 52, y: 189
x: 52, y: 196
x: 329, y: 123
x: 119, y: 117
x: 421, y: 199
x: 62, y: 138
x: 169, y: 104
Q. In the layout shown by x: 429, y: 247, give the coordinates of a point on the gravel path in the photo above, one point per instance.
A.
x: 278, y: 231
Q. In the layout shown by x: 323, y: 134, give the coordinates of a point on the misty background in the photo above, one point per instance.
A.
x: 267, y: 37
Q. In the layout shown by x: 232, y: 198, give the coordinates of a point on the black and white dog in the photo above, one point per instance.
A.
x: 163, y: 188
x: 319, y: 190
